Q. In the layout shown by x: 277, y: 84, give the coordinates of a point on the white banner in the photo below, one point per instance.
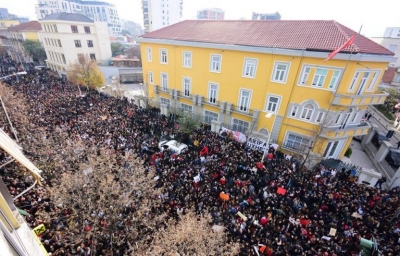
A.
x: 238, y: 136
x: 259, y: 144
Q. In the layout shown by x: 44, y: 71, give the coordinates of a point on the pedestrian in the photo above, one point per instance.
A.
x: 379, y: 182
x: 369, y: 116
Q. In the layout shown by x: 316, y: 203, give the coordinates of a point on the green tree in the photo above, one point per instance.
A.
x: 34, y: 49
x: 117, y: 48
x: 124, y: 32
x: 134, y: 52
x: 188, y: 121
x: 392, y: 99
x: 86, y: 72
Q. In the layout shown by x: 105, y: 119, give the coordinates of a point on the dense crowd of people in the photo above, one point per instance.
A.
x: 270, y: 208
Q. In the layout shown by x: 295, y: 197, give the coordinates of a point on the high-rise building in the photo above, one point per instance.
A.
x: 211, y: 14
x: 94, y: 10
x: 266, y: 16
x: 161, y: 13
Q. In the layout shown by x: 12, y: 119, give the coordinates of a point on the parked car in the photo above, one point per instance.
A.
x: 378, y: 138
x: 393, y: 158
x: 174, y: 145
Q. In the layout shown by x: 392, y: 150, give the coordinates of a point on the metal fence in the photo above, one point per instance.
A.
x: 340, y: 165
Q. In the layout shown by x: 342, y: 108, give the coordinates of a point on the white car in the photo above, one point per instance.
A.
x: 174, y: 145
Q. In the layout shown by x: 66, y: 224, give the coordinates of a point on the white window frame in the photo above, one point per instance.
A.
x: 294, y: 110
x: 162, y: 51
x: 307, y: 111
x: 320, y: 77
x: 210, y: 84
x: 151, y: 77
x: 267, y: 103
x: 219, y: 65
x: 149, y: 56
x: 334, y: 80
x: 320, y: 117
x: 372, y: 83
x: 244, y: 107
x: 239, y: 120
x: 249, y: 67
x: 304, y: 75
x: 207, y: 116
x: 354, y: 118
x: 187, y: 60
x: 187, y: 105
x: 354, y: 81
x: 166, y: 101
x: 302, y: 146
x: 164, y: 86
x: 276, y: 71
x: 184, y: 84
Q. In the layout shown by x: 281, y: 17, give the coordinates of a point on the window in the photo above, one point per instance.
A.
x: 187, y: 59
x: 392, y: 47
x: 164, y: 81
x: 304, y: 75
x: 149, y: 57
x: 215, y: 63
x: 281, y: 71
x: 186, y: 86
x: 59, y: 43
x: 74, y: 29
x: 63, y: 58
x: 244, y: 100
x: 355, y: 118
x: 294, y: 111
x: 363, y: 82
x: 212, y: 93
x: 186, y: 108
x: 92, y: 56
x: 55, y: 28
x: 163, y: 56
x: 272, y: 104
x: 240, y: 125
x: 354, y: 81
x: 334, y: 80
x: 319, y: 77
x: 297, y: 142
x: 307, y: 112
x: 249, y: 69
x: 373, y: 81
x: 320, y: 117
x: 90, y: 43
x: 209, y: 116
x: 78, y: 43
x: 151, y: 77
x: 87, y: 30
x: 165, y: 101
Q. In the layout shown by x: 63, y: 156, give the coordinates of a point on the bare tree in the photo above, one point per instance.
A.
x: 191, y: 235
x: 86, y: 72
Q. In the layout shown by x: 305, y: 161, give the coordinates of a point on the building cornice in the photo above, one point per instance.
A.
x: 275, y: 51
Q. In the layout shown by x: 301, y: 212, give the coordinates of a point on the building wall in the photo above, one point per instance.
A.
x: 211, y: 14
x: 99, y: 36
x: 392, y: 44
x: 8, y: 23
x: 161, y: 13
x: 393, y: 32
x: 291, y: 92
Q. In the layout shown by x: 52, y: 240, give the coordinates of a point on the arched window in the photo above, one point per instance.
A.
x: 307, y: 112
x: 263, y: 131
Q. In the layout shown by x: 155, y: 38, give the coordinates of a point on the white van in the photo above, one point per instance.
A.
x: 174, y: 145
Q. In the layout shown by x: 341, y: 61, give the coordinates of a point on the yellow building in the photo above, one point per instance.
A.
x: 16, y: 35
x: 236, y: 72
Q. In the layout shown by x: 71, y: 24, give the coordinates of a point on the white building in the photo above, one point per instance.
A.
x: 161, y: 13
x: 391, y: 41
x: 66, y: 36
x: 211, y: 14
x: 266, y: 16
x: 95, y: 10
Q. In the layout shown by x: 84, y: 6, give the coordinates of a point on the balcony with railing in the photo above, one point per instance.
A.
x: 360, y: 100
x: 344, y: 131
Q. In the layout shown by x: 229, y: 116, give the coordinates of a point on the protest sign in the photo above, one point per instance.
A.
x: 238, y: 136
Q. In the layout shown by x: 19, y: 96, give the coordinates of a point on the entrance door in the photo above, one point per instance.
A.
x: 333, y: 148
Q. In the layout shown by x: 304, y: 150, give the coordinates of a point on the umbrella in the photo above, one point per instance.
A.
x: 22, y: 212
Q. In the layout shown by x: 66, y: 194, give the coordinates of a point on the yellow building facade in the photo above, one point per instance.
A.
x: 316, y: 105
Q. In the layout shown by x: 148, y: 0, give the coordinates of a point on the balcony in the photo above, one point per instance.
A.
x: 350, y: 130
x: 359, y: 100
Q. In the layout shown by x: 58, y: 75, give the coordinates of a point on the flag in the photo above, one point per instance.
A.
x: 348, y: 42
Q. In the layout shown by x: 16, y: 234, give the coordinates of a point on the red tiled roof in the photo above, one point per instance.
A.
x: 28, y: 26
x: 389, y: 74
x: 312, y: 35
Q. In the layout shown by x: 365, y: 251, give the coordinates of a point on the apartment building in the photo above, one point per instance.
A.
x: 94, y: 10
x: 391, y: 41
x: 211, y: 14
x: 161, y: 13
x: 66, y: 36
x: 234, y: 73
x: 266, y: 16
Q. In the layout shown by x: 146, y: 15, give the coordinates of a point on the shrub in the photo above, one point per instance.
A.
x: 348, y: 152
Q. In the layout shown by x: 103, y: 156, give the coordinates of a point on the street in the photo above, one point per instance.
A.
x: 383, y: 126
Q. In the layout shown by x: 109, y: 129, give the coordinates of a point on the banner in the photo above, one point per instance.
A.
x: 259, y: 144
x: 238, y: 136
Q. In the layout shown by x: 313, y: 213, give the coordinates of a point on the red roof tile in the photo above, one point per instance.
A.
x: 313, y: 35
x: 389, y: 74
x: 28, y: 26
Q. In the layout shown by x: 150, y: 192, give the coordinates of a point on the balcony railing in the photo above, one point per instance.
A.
x: 338, y: 131
x: 359, y: 100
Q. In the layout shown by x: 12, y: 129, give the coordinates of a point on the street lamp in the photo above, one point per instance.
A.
x: 269, y: 115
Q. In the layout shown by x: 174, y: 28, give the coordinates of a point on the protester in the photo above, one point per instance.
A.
x: 270, y: 208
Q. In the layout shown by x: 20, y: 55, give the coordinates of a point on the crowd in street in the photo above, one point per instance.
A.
x: 270, y: 208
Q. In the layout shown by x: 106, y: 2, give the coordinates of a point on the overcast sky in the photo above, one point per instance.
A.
x: 374, y: 15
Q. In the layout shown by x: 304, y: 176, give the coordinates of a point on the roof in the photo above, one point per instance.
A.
x: 310, y: 35
x: 68, y: 17
x: 28, y: 26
